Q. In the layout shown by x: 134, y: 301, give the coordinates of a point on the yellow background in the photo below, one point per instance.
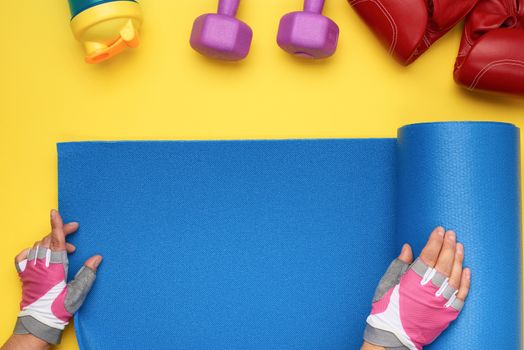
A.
x: 164, y: 90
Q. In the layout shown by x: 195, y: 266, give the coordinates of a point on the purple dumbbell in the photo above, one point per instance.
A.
x: 221, y: 35
x: 308, y: 33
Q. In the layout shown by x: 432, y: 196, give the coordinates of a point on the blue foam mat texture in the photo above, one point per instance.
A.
x: 280, y: 244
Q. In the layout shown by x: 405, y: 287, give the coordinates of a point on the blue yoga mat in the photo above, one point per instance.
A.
x: 280, y: 244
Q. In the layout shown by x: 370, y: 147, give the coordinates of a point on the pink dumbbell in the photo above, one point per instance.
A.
x: 308, y: 33
x: 221, y: 35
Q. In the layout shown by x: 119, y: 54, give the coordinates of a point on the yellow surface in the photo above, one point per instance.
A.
x: 164, y: 90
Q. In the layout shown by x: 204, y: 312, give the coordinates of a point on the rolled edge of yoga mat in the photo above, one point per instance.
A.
x: 465, y: 176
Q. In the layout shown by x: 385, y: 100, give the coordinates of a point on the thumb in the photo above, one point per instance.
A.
x: 406, y: 255
x: 93, y: 262
x: 395, y: 271
x: 80, y: 286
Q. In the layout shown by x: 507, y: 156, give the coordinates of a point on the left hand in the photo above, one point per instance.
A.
x: 48, y: 301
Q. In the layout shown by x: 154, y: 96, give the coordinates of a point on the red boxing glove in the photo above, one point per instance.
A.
x: 409, y: 27
x: 491, y: 55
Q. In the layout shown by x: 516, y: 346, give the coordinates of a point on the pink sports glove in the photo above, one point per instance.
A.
x: 48, y: 303
x: 412, y: 306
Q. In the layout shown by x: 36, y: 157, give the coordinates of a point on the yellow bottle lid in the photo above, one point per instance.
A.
x: 108, y: 29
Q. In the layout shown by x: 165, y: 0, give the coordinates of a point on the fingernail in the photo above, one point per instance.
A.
x: 460, y: 249
x: 440, y: 230
x: 53, y: 214
x: 97, y: 262
x: 451, y: 235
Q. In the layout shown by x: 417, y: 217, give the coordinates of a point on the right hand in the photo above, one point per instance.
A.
x: 415, y: 302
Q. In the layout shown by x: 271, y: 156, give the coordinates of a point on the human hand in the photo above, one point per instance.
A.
x: 48, y: 303
x: 414, y: 304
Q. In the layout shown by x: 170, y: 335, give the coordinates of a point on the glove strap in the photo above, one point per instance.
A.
x: 382, y: 338
x: 30, y: 325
